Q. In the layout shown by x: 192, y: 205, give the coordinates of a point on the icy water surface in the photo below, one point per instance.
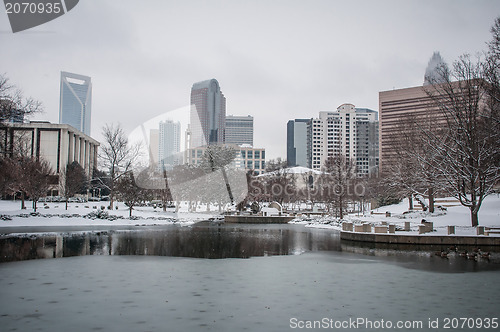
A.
x: 131, y: 293
x: 130, y: 281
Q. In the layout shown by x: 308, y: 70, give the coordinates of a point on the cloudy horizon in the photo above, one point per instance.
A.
x: 274, y: 60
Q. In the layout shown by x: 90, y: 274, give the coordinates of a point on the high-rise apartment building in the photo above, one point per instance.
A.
x: 75, y: 101
x: 350, y: 132
x: 298, y: 143
x: 239, y: 130
x: 208, y: 114
x: 169, y: 144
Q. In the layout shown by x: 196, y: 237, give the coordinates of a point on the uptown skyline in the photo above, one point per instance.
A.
x: 301, y: 57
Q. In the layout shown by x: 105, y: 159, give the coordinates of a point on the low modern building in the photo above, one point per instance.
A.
x: 58, y: 144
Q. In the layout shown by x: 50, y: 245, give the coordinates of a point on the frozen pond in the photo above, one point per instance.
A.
x: 310, y: 276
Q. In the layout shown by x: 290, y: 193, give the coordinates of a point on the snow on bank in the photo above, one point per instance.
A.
x: 92, y: 214
x: 458, y: 216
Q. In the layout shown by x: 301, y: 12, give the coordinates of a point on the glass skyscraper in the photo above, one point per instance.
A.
x: 208, y: 114
x: 75, y: 101
x: 169, y: 144
x: 298, y: 140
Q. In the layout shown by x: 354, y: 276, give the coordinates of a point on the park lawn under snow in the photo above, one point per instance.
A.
x: 77, y: 215
x: 55, y: 214
x: 458, y: 216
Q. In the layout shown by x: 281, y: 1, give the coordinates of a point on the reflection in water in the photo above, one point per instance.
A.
x: 201, y: 241
x: 426, y: 257
x: 206, y: 240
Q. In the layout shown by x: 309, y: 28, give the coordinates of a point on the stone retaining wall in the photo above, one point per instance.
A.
x: 416, y: 239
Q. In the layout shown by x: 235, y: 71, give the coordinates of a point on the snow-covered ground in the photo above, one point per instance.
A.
x: 86, y: 214
x: 456, y: 215
x: 91, y: 214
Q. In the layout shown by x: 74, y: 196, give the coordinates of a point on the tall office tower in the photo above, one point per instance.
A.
x: 169, y: 144
x: 208, y: 114
x: 349, y: 132
x: 239, y: 130
x: 298, y: 143
x: 367, y: 140
x: 154, y: 146
x: 75, y: 101
x: 432, y: 72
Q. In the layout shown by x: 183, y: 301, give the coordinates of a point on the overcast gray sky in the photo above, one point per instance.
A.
x: 275, y: 60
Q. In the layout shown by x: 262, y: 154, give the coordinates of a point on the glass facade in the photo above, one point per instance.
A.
x: 75, y: 101
x: 208, y: 114
x: 239, y: 130
x: 169, y: 144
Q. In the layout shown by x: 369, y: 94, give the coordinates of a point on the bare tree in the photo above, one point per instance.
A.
x: 217, y: 157
x: 280, y: 185
x: 13, y: 104
x: 8, y: 176
x: 413, y: 172
x: 33, y: 177
x: 75, y: 181
x: 128, y: 191
x: 338, y: 182
x: 466, y: 151
x: 275, y: 164
x: 117, y: 156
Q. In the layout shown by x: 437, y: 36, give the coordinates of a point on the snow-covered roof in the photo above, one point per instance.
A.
x: 293, y: 170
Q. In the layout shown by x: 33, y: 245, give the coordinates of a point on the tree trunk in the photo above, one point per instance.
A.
x: 474, y: 217
x: 341, y: 210
x: 410, y: 201
x: 431, y: 200
x: 34, y: 205
x: 23, y: 207
x: 66, y: 204
x: 130, y: 211
x: 112, y: 187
